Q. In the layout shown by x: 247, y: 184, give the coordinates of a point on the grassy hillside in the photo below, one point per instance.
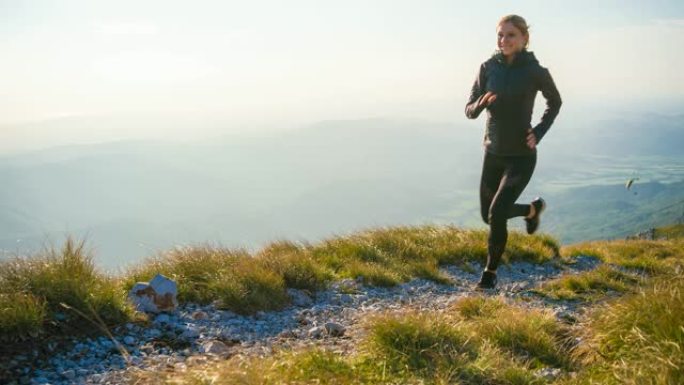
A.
x: 243, y: 282
x: 632, y: 332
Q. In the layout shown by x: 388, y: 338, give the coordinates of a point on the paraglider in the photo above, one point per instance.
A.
x: 629, y: 183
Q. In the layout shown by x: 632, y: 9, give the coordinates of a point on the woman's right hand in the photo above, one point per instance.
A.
x: 487, y: 99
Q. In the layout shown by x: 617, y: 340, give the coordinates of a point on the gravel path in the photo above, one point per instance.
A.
x: 196, y: 334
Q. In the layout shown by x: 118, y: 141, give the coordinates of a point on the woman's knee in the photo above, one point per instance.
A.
x: 497, y: 214
x: 485, y: 215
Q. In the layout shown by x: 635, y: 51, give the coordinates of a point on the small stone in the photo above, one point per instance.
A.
x: 347, y: 285
x: 214, y: 347
x: 299, y: 297
x: 548, y: 373
x: 348, y: 312
x: 156, y: 296
x: 69, y: 374
x: 227, y: 315
x: 334, y: 329
x: 200, y: 315
x: 566, y: 316
x: 129, y: 340
x: 190, y: 333
x: 196, y: 360
x: 286, y: 334
x: 303, y: 319
x: 316, y: 332
x: 346, y: 298
x: 162, y: 319
x: 153, y: 333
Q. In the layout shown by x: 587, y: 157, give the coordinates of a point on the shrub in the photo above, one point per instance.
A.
x: 21, y: 315
x: 62, y: 277
x: 250, y: 287
x: 588, y: 285
x: 529, y: 333
x: 419, y: 342
x: 638, y: 338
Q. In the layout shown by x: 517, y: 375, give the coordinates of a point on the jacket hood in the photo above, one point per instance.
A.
x: 521, y: 58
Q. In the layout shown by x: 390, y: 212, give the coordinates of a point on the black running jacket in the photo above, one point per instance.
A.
x: 509, y: 116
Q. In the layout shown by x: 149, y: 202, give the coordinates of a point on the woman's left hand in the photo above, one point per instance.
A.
x: 531, y: 139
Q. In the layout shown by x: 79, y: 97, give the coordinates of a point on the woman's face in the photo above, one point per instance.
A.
x: 509, y: 39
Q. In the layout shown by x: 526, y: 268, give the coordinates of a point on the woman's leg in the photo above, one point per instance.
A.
x: 493, y: 168
x: 517, y: 173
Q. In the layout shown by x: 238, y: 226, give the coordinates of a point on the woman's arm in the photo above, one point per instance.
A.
x: 475, y: 106
x: 553, y: 104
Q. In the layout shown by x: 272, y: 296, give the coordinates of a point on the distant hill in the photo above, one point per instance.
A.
x: 132, y: 198
x: 612, y: 211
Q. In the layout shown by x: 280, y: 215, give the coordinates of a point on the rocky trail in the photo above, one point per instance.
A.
x: 331, y: 319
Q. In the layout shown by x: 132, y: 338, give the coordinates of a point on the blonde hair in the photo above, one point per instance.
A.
x: 519, y: 23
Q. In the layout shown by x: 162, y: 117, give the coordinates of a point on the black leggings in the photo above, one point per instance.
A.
x: 503, y: 180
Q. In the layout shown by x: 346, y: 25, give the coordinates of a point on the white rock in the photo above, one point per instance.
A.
x: 214, y: 347
x: 316, y: 332
x: 141, y: 297
x: 334, y: 329
x: 156, y: 296
x: 69, y: 374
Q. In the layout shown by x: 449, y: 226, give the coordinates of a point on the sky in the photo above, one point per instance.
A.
x: 217, y: 66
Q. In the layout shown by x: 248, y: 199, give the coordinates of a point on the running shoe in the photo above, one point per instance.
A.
x: 487, y: 281
x: 533, y: 223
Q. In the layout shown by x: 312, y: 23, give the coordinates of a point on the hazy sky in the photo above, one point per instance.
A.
x: 288, y: 62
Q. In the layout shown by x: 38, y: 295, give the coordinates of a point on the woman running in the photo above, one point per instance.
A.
x: 506, y: 85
